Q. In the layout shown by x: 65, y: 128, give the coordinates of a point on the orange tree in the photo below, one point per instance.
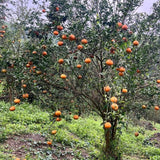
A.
x: 104, y: 62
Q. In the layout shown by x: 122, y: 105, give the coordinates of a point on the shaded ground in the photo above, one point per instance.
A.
x: 155, y: 140
x: 147, y: 125
x: 35, y: 146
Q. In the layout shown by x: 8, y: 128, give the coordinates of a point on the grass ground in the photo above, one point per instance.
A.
x: 24, y: 133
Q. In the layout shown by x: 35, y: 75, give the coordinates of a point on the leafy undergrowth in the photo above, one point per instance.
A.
x: 24, y: 134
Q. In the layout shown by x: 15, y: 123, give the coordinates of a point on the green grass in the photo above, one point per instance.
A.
x: 85, y: 133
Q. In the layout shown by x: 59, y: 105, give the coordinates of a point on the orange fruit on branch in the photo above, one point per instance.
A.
x: 121, y: 73
x: 107, y: 125
x: 58, y: 119
x: 44, y: 53
x: 135, y: 43
x: 124, y: 90
x: 122, y: 69
x: 158, y: 81
x: 87, y: 60
x: 64, y: 36
x: 76, y: 117
x: 107, y: 89
x: 72, y: 37
x: 114, y: 106
x: 17, y: 100
x: 60, y: 61
x: 144, y: 106
x: 55, y: 32
x: 79, y: 77
x: 79, y: 47
x: 59, y: 27
x: 57, y: 113
x: 128, y: 50
x: 3, y: 70
x: 49, y: 143
x: 119, y: 24
x: 79, y: 66
x: 63, y: 76
x: 124, y: 27
x: 57, y: 8
x: 113, y: 99
x: 109, y: 62
x: 156, y: 108
x: 60, y: 43
x: 138, y: 71
x: 34, y: 52
x: 84, y: 41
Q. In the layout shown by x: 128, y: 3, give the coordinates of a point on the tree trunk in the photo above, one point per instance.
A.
x: 111, y: 143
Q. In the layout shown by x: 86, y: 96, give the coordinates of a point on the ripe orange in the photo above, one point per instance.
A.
x: 124, y: 39
x: 136, y: 134
x: 87, y: 60
x: 12, y: 108
x: 76, y: 117
x: 124, y: 90
x: 44, y: 53
x: 59, y: 27
x: 121, y: 69
x: 49, y: 142
x: 128, y: 50
x: 72, y: 37
x: 60, y: 61
x: 63, y: 76
x: 138, y: 71
x: 79, y: 47
x: 135, y: 43
x: 84, y: 41
x: 25, y: 95
x: 44, y: 91
x: 79, y: 66
x: 107, y: 125
x: 17, y: 100
x: 3, y: 70
x: 57, y: 113
x: 64, y: 36
x: 55, y: 32
x: 57, y: 8
x: 156, y: 108
x: 144, y: 106
x: 121, y: 73
x: 158, y: 80
x: 124, y: 27
x: 27, y: 65
x: 107, y: 89
x: 34, y: 52
x: 44, y: 46
x: 79, y: 77
x: 119, y: 24
x: 60, y: 43
x: 43, y: 10
x: 113, y: 99
x: 58, y: 119
x: 114, y: 106
x: 109, y: 62
x: 54, y: 132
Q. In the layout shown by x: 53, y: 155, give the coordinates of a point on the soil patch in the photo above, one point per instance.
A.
x: 146, y: 125
x: 155, y: 140
x: 35, y: 145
